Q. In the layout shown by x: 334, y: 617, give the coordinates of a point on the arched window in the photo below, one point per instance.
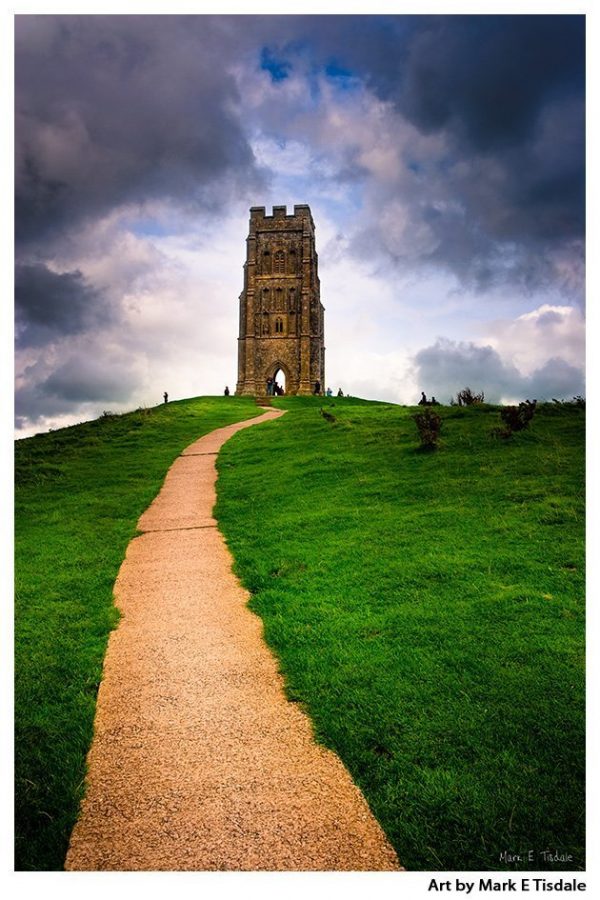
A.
x: 267, y: 262
x: 278, y: 300
x: 292, y: 299
x: 279, y: 326
x: 279, y: 262
x: 265, y: 324
x: 265, y: 295
x: 292, y: 262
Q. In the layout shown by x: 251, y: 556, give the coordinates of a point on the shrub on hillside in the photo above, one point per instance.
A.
x: 429, y: 425
x: 466, y: 397
x: 516, y: 418
x: 578, y: 401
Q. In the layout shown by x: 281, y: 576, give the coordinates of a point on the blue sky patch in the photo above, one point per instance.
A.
x: 334, y: 70
x: 279, y: 69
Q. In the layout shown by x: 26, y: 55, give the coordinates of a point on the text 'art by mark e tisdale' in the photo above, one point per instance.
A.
x: 506, y: 885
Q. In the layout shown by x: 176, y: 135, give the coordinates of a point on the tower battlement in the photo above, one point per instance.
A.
x: 258, y: 214
x: 281, y: 314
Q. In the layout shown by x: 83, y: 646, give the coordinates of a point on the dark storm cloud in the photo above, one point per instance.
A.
x: 117, y: 109
x: 82, y: 379
x: 487, y: 77
x: 483, y: 78
x: 507, y: 95
x: 77, y: 385
x: 112, y: 113
x: 448, y: 366
x: 112, y: 110
x: 32, y: 406
x: 51, y: 305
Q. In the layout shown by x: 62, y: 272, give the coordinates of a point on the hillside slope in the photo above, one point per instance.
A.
x: 79, y: 493
x: 427, y: 609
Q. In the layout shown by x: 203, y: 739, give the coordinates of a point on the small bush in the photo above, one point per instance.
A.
x: 516, y: 418
x: 466, y: 397
x: 429, y: 425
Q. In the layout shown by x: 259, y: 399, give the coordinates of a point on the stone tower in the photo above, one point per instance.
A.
x: 281, y: 316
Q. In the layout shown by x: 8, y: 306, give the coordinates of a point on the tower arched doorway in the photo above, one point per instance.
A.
x: 280, y: 381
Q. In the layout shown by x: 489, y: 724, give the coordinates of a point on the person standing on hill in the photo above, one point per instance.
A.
x: 166, y: 397
x: 226, y: 391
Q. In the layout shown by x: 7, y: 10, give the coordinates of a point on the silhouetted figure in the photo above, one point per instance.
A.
x: 340, y: 392
x: 433, y: 402
x: 423, y: 400
x: 166, y: 397
x: 317, y: 387
x: 329, y: 392
x: 269, y: 387
x: 226, y: 391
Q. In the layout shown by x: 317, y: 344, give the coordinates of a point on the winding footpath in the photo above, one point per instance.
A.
x: 198, y: 760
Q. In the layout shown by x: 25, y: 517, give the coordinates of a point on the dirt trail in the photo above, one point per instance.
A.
x: 198, y: 760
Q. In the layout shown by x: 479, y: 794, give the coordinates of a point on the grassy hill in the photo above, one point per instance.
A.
x: 79, y: 493
x: 427, y: 609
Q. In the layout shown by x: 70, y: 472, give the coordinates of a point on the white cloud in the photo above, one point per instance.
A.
x: 531, y: 339
x: 447, y: 366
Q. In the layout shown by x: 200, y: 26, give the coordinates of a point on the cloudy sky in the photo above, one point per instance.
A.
x: 442, y: 157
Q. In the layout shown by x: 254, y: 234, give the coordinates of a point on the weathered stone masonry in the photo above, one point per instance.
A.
x: 281, y: 315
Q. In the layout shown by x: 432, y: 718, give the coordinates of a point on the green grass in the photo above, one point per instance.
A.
x: 427, y: 610
x: 79, y: 493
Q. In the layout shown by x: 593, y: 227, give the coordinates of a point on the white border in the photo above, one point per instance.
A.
x: 266, y: 885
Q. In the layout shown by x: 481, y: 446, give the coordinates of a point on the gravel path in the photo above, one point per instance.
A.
x: 198, y: 761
